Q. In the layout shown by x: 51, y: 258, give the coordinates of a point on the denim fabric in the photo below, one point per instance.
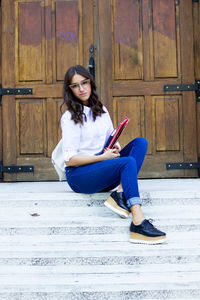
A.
x: 108, y: 174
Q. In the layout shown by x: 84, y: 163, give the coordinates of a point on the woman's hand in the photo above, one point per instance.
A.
x: 117, y: 148
x: 110, y: 153
x: 81, y: 160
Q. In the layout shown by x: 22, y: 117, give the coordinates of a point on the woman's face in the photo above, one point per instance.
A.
x: 81, y: 88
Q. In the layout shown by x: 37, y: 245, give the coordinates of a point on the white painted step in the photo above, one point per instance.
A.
x: 55, y: 225
x: 186, y: 211
x: 100, y: 269
x: 125, y: 295
x: 74, y: 294
x: 112, y: 284
x: 71, y: 198
x: 97, y: 227
x: 129, y: 278
x: 95, y: 246
x: 112, y: 252
x: 172, y: 237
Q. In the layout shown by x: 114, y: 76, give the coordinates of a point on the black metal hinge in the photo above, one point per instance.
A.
x: 8, y: 91
x: 184, y: 87
x: 15, y: 169
x: 184, y: 165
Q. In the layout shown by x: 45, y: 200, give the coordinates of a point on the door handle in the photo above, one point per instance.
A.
x: 91, y: 66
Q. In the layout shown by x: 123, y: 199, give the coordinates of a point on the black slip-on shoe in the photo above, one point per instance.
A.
x: 117, y: 203
x: 146, y: 233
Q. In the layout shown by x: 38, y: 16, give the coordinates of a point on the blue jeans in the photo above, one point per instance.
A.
x: 108, y: 174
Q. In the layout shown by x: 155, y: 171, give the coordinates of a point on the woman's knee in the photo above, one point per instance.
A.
x: 128, y: 160
x: 141, y: 141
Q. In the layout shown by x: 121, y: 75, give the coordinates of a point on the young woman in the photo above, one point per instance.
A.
x: 86, y: 125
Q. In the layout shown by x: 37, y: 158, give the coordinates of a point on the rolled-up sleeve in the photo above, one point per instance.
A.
x: 70, y: 136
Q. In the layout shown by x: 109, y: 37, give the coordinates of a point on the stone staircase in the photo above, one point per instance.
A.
x: 56, y: 244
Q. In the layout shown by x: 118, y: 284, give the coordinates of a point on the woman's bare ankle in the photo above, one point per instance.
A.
x: 137, y: 213
x: 119, y: 189
x: 138, y: 221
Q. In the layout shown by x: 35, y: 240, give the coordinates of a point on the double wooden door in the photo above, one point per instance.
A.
x: 139, y: 46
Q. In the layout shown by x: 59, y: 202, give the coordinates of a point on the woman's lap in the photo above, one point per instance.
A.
x: 99, y: 176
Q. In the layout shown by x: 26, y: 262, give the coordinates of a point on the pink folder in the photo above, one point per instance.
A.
x: 116, y: 134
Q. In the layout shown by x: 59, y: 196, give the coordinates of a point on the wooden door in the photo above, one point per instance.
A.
x: 41, y: 39
x: 145, y: 45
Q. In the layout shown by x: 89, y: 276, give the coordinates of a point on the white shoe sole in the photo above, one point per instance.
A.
x: 115, y: 208
x: 141, y: 239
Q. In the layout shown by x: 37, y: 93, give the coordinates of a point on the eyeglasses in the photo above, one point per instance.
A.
x: 76, y: 86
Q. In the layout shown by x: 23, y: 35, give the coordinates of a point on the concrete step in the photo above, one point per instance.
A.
x: 73, y: 277
x: 17, y: 226
x: 95, y: 246
x: 65, y: 282
x: 43, y: 259
x: 85, y: 228
x: 71, y: 199
x: 110, y: 272
x: 175, y: 211
x: 39, y: 252
x: 91, y: 238
x: 49, y: 221
x: 116, y: 294
x: 100, y: 269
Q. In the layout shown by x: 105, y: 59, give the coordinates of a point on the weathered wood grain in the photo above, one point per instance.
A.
x: 189, y: 100
x: 127, y: 38
x: 105, y: 44
x: 8, y: 80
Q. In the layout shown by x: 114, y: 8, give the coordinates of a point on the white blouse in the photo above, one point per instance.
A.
x: 86, y: 139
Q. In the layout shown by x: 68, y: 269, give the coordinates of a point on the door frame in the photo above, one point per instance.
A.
x: 1, y: 124
x: 196, y: 29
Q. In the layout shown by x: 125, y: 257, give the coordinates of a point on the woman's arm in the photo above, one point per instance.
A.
x: 81, y: 160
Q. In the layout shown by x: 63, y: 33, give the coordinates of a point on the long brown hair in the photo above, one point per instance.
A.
x: 73, y: 104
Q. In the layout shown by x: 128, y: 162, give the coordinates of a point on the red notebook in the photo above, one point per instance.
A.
x: 116, y: 134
